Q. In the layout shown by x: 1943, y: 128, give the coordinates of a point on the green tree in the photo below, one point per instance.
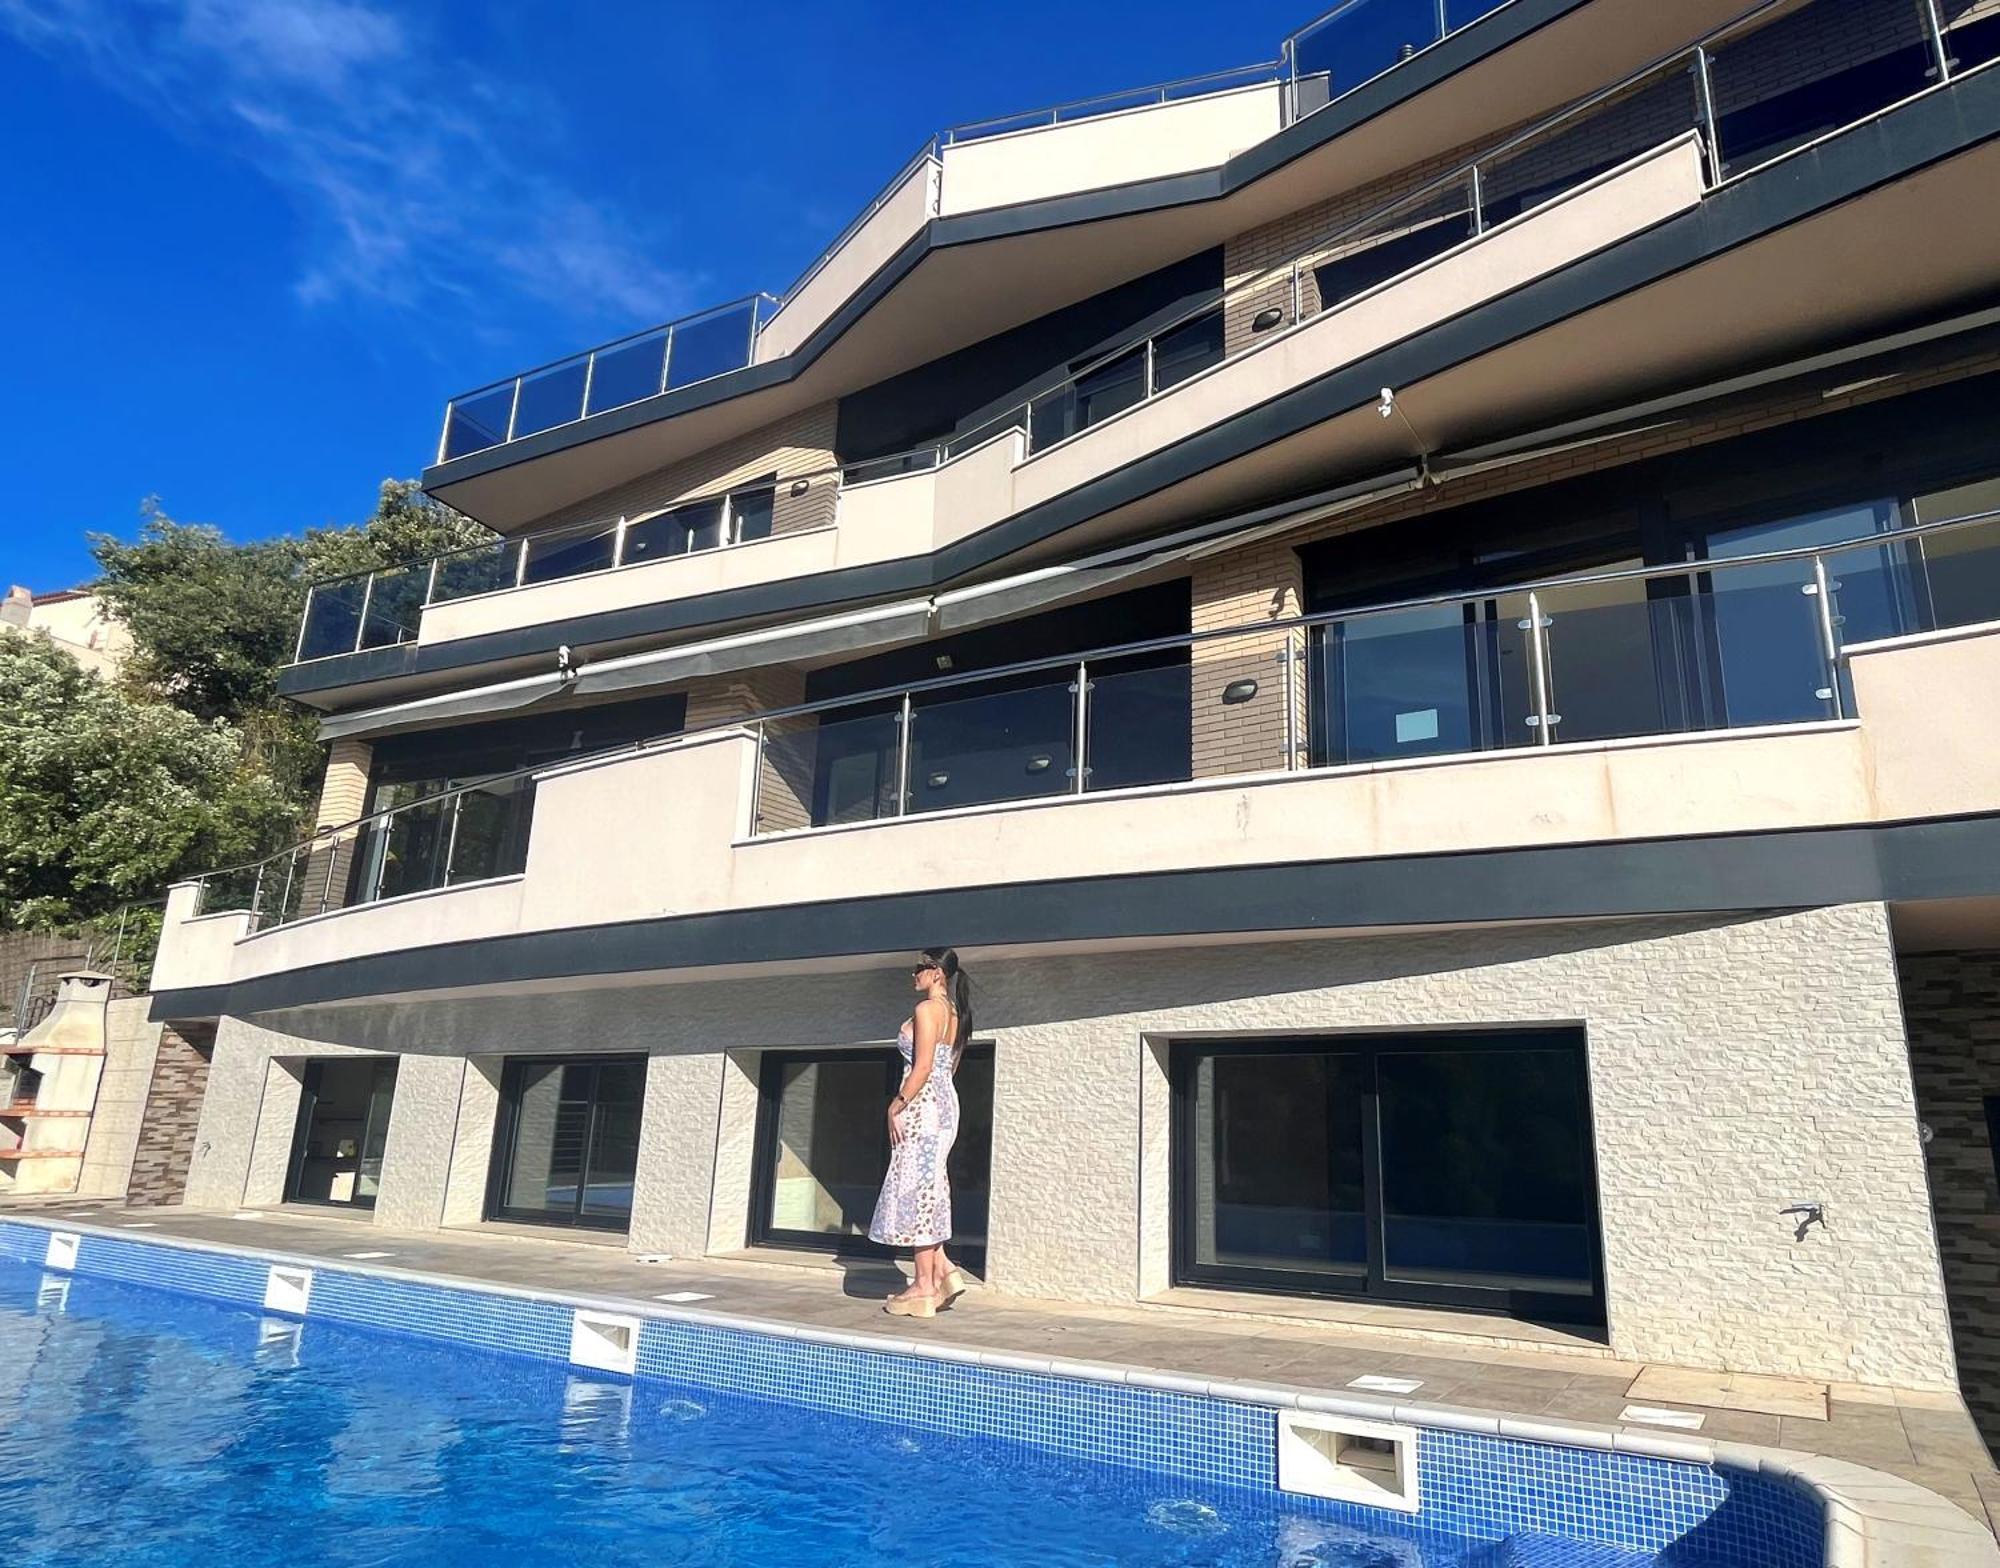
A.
x: 105, y: 797
x: 213, y: 621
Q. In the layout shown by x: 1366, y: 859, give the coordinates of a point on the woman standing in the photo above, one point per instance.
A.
x: 915, y: 1207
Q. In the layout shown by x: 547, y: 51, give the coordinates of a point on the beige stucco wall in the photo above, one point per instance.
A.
x: 1932, y: 721
x: 1092, y: 153
x: 1736, y: 1066
x: 903, y: 212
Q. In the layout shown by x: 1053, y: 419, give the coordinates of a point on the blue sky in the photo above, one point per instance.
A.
x: 249, y: 247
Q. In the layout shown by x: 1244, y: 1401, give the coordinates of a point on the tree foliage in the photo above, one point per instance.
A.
x: 104, y: 797
x: 190, y: 761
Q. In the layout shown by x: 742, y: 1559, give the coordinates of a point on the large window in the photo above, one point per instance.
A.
x: 823, y: 1146
x: 1707, y: 645
x: 1448, y: 1168
x: 566, y: 1146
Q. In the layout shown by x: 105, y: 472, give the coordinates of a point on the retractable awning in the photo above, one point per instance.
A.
x: 1008, y: 597
x: 902, y: 622
x: 476, y: 703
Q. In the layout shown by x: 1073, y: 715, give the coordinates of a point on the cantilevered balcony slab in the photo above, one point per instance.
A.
x: 1042, y: 219
x: 1636, y: 285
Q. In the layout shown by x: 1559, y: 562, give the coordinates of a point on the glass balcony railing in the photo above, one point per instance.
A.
x: 382, y: 608
x: 1358, y: 40
x: 1732, y: 642
x: 1353, y: 43
x: 1752, y: 92
x: 644, y: 365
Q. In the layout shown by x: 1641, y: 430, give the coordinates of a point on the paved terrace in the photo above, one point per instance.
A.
x: 1925, y: 1436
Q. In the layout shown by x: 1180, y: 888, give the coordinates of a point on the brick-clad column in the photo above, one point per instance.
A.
x: 785, y: 777
x: 1263, y: 583
x: 343, y: 796
x: 173, y: 1109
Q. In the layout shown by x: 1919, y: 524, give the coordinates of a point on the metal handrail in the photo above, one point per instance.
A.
x: 928, y: 153
x: 578, y: 355
x: 1252, y: 75
x: 333, y: 836
x: 501, y: 541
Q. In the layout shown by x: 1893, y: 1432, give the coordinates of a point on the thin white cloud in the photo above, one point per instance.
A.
x: 421, y: 181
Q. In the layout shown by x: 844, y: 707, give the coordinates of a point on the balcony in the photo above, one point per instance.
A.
x: 1648, y: 149
x: 1118, y: 138
x: 1784, y: 690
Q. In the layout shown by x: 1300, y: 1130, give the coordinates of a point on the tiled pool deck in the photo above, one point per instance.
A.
x: 1926, y: 1437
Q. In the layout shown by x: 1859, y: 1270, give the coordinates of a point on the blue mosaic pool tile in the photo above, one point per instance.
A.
x: 220, y: 1276
x: 1537, y: 1505
x: 1175, y: 1434
x: 22, y: 1243
x: 508, y: 1324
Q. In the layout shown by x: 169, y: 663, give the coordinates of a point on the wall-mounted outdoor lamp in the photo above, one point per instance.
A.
x: 1238, y: 691
x: 1267, y: 318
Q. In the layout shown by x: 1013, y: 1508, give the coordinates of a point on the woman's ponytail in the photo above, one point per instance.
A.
x: 958, y: 986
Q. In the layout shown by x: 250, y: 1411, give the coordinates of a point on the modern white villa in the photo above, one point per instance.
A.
x: 1425, y: 616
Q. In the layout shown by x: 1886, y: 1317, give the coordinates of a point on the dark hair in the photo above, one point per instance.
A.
x: 958, y: 986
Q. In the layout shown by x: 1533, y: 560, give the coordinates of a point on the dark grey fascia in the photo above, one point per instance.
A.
x: 1721, y: 874
x: 1878, y: 152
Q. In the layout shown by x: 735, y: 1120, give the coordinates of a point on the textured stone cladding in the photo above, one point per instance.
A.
x: 173, y: 1110
x: 1952, y: 1004
x: 1736, y: 1066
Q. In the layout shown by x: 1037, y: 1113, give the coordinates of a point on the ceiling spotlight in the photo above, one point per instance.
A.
x: 1388, y: 404
x: 944, y: 661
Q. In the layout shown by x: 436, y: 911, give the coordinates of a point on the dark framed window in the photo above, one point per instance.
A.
x: 823, y: 1146
x: 1448, y: 1169
x: 566, y: 1142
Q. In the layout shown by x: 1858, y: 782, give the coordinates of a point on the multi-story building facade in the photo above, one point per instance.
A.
x: 1427, y: 618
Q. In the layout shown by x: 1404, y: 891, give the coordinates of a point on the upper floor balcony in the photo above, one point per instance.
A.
x: 1765, y: 692
x: 1703, y: 125
x: 1172, y: 168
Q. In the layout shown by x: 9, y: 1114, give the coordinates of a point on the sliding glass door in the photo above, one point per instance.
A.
x: 1451, y: 1169
x: 566, y: 1146
x: 823, y: 1145
x: 342, y: 1131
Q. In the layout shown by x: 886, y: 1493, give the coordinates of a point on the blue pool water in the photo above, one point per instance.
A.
x: 143, y: 1427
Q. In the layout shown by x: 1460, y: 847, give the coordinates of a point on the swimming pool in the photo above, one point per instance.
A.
x: 151, y: 1426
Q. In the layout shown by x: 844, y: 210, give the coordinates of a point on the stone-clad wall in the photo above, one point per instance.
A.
x: 1952, y: 1004
x: 1736, y: 1066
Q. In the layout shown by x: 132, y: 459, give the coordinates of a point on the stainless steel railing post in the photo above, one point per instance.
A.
x: 1821, y: 589
x: 1288, y: 660
x: 367, y: 601
x: 1939, y: 48
x: 903, y: 758
x: 451, y: 839
x: 513, y: 408
x: 1478, y: 197
x: 1536, y: 626
x: 1704, y: 88
x: 1080, y: 732
x: 757, y: 779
